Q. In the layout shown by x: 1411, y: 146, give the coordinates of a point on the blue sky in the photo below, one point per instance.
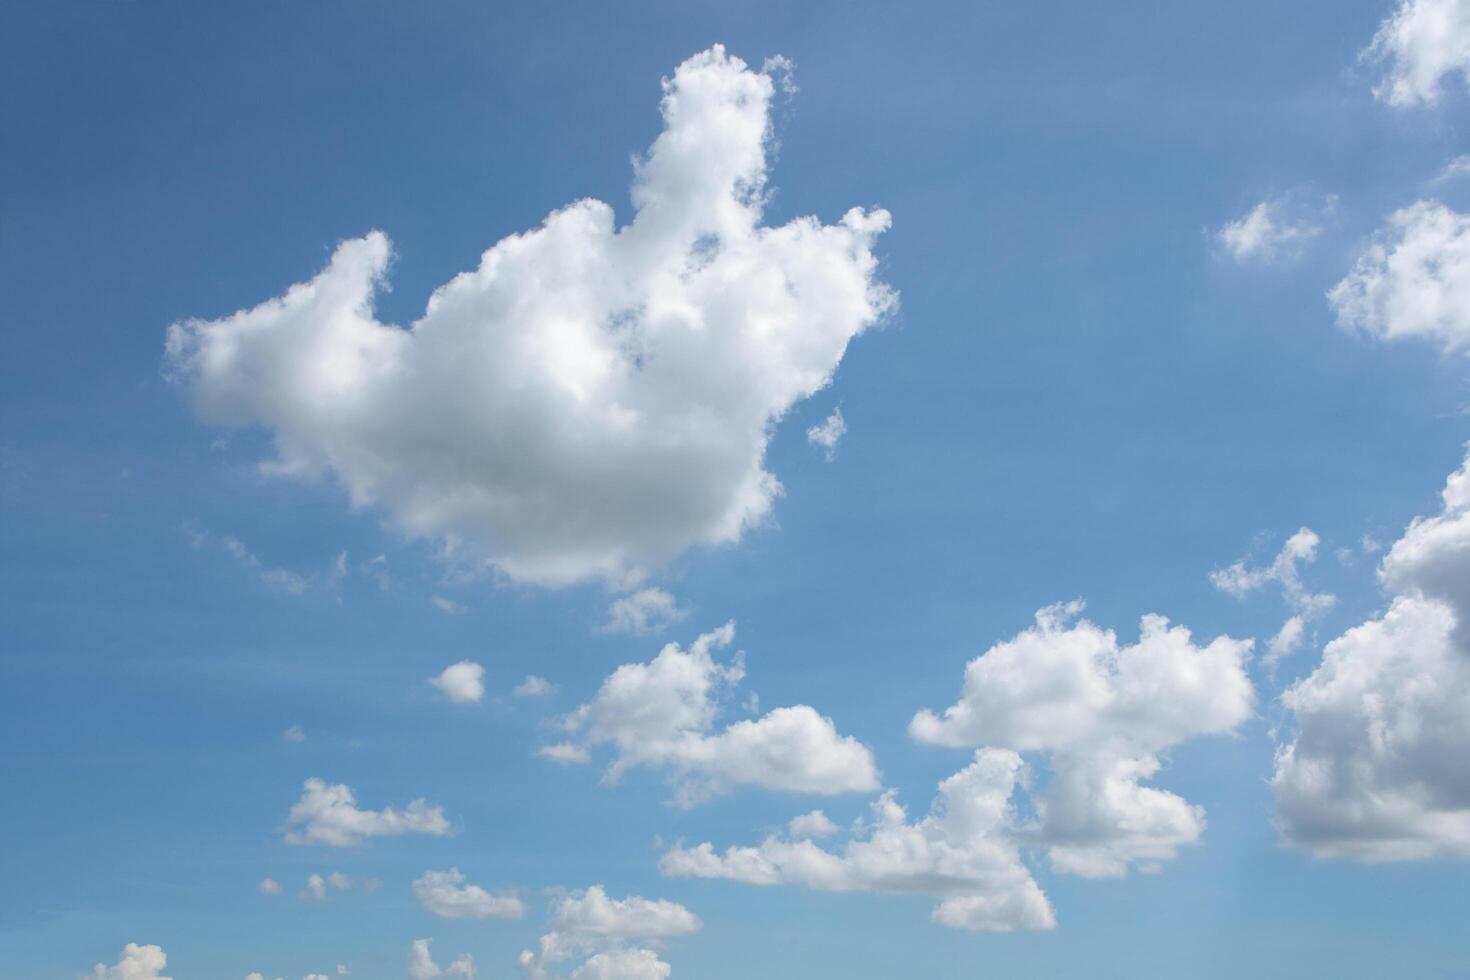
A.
x: 1158, y: 287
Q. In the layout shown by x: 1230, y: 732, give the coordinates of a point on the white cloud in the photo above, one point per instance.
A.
x: 1421, y: 43
x: 135, y: 963
x: 1270, y: 230
x: 534, y: 687
x: 661, y: 713
x: 269, y: 886
x: 1454, y: 170
x: 591, y: 924
x: 1287, y: 639
x: 317, y: 886
x: 1413, y: 281
x: 623, y: 964
x: 445, y: 894
x: 963, y: 853
x: 590, y: 401
x: 1240, y: 581
x: 461, y: 683
x: 810, y: 825
x: 421, y: 965
x: 828, y: 433
x: 1374, y: 769
x: 295, y: 734
x: 328, y: 814
x: 448, y: 606
x: 1102, y: 712
x: 566, y: 753
x: 279, y: 579
x: 643, y: 612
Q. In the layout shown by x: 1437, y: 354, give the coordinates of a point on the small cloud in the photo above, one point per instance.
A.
x: 328, y: 814
x: 1273, y: 229
x: 377, y: 569
x: 461, y: 683
x: 643, y: 612
x: 567, y: 753
x: 828, y: 434
x: 1240, y: 580
x: 534, y: 687
x: 277, y: 579
x: 295, y: 734
x: 1454, y: 170
x: 317, y: 886
x: 269, y: 886
x: 448, y: 606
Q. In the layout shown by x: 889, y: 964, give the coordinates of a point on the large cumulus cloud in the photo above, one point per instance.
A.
x: 591, y: 400
x: 1374, y: 768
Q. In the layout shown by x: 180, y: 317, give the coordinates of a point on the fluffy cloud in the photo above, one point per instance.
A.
x: 1267, y: 231
x: 642, y: 612
x: 592, y: 925
x: 445, y: 894
x: 1421, y: 43
x: 421, y: 965
x: 623, y: 964
x: 328, y: 814
x: 828, y: 433
x: 1375, y: 769
x: 1240, y: 580
x: 1413, y: 281
x: 135, y: 963
x: 269, y: 886
x: 661, y: 713
x: 964, y: 853
x: 1102, y: 711
x: 534, y: 687
x: 814, y: 824
x: 462, y: 682
x: 591, y: 400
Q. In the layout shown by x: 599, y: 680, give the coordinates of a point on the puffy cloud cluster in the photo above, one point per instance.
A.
x: 605, y: 930
x: 1102, y: 711
x: 964, y: 852
x: 135, y: 963
x: 1421, y: 43
x: 462, y: 683
x: 1267, y: 231
x: 445, y: 894
x: 329, y: 814
x: 591, y: 400
x: 1375, y: 767
x: 662, y: 713
x: 1413, y: 281
x: 421, y: 965
x: 1239, y: 580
